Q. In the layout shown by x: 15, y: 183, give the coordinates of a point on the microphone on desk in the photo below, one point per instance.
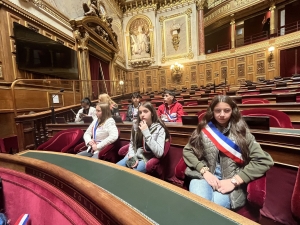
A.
x: 52, y: 107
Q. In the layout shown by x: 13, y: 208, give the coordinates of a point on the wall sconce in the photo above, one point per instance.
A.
x: 121, y: 82
x: 271, y: 56
x: 177, y: 70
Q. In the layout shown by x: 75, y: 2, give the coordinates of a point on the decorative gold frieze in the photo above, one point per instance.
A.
x: 164, y: 7
x: 260, y: 55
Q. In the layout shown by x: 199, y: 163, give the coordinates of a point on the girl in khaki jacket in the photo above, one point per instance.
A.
x: 222, y: 155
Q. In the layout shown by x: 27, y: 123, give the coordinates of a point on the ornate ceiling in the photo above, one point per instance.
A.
x: 73, y: 8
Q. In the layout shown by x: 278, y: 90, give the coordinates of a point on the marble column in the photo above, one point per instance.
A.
x: 232, y: 33
x: 82, y: 38
x: 272, y: 18
x: 200, y: 7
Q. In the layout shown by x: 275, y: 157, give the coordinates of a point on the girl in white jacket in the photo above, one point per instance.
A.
x: 101, y: 132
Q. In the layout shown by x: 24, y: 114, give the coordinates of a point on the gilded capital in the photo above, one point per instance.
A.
x: 201, y: 4
x: 272, y: 8
x: 82, y: 38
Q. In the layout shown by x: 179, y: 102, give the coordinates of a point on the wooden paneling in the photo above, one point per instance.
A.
x: 31, y: 98
x: 7, y: 121
x: 5, y: 99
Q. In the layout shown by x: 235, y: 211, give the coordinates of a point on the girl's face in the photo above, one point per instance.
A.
x: 98, y: 112
x: 135, y: 100
x: 84, y: 105
x: 222, y: 113
x: 145, y: 114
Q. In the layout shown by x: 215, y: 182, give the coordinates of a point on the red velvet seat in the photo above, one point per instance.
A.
x: 44, y: 203
x: 254, y: 101
x: 154, y: 166
x: 277, y: 118
x: 256, y: 193
x: 109, y: 153
x: 123, y: 115
x: 201, y: 114
x: 295, y: 202
x: 63, y: 141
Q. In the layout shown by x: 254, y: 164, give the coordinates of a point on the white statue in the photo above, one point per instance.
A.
x: 139, y: 44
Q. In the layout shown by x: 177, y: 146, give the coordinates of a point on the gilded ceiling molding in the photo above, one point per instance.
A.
x: 174, y: 5
x: 32, y: 18
x: 130, y: 11
x: 51, y: 10
x: 227, y: 9
x: 189, y: 54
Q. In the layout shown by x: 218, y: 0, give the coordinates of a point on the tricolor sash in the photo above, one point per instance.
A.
x: 169, y: 116
x: 22, y: 219
x: 94, y: 135
x: 223, y: 143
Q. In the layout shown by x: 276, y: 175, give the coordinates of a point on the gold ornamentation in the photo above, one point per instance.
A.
x: 177, y: 71
x: 241, y: 70
x: 260, y: 67
x: 175, y: 30
x: 140, y: 44
x: 162, y: 20
x: 82, y: 38
x: 1, y: 74
x: 226, y: 10
x: 201, y: 4
x: 174, y: 5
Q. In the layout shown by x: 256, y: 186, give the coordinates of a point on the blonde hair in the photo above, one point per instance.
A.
x: 106, y: 113
x: 105, y: 98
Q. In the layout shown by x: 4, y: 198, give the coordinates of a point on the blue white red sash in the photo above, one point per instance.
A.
x: 223, y: 143
x: 22, y: 219
x: 94, y: 136
x: 170, y: 118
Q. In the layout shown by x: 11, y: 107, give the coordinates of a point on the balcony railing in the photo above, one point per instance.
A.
x: 261, y: 36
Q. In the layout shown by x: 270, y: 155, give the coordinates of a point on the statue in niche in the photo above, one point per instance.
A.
x: 139, y: 42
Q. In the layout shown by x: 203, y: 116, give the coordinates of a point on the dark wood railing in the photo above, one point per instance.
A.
x: 32, y: 130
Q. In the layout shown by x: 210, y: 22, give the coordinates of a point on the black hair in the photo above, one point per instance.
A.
x: 136, y: 95
x: 87, y: 101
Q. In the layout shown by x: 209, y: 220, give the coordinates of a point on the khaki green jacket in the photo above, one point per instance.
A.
x: 260, y: 163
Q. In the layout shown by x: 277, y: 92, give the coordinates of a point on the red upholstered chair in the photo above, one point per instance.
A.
x: 254, y: 101
x: 201, y: 114
x: 63, y: 141
x: 190, y: 103
x: 295, y: 202
x: 277, y: 118
x: 109, y: 153
x: 154, y: 166
x: 256, y: 193
x: 123, y: 115
x: 9, y: 144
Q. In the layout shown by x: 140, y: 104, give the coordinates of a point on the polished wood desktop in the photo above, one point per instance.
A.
x: 282, y: 144
x: 118, y: 195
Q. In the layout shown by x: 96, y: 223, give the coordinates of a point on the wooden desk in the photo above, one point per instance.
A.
x: 124, y: 195
x: 281, y: 144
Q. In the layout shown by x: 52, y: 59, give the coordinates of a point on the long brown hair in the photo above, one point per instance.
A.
x: 238, y: 127
x: 106, y: 113
x: 138, y: 138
